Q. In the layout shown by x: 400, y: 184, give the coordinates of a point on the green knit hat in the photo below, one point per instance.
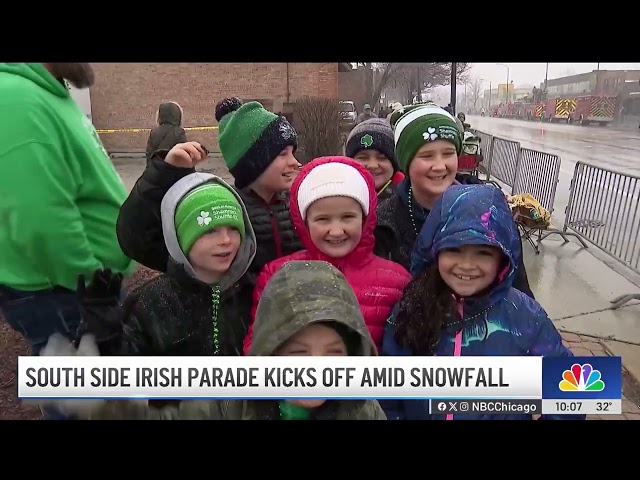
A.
x: 250, y: 138
x: 415, y: 125
x: 203, y: 209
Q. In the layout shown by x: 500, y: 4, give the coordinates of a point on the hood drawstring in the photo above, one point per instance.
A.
x: 384, y: 187
x: 457, y: 349
x: 215, y: 303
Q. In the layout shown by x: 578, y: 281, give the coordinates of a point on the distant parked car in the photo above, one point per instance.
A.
x: 348, y: 115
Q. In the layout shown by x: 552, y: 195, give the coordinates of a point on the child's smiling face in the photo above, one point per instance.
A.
x: 280, y: 173
x: 469, y: 269
x: 378, y: 165
x: 434, y: 168
x: 335, y: 225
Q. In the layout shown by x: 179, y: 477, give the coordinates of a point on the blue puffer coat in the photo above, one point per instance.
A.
x: 502, y: 322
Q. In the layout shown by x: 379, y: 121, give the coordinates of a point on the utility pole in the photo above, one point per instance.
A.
x: 490, y: 95
x: 454, y: 67
x: 546, y: 76
x: 507, y: 85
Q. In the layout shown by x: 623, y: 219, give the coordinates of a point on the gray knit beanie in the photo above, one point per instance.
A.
x: 373, y: 134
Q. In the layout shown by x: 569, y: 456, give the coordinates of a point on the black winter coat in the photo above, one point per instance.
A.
x: 176, y: 314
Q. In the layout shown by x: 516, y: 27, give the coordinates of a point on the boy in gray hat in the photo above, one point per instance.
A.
x: 372, y: 144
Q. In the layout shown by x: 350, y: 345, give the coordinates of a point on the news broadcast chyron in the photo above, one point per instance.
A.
x: 582, y: 385
x: 280, y: 377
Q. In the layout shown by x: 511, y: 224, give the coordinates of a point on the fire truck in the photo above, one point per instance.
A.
x: 583, y: 110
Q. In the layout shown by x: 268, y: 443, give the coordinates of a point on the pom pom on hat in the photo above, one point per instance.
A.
x: 333, y: 180
x: 227, y: 105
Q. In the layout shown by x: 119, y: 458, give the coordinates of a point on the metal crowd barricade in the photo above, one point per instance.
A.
x: 538, y: 174
x: 604, y: 209
x: 486, y: 144
x: 505, y: 155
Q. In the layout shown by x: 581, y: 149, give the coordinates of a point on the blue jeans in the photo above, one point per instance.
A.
x: 38, y: 315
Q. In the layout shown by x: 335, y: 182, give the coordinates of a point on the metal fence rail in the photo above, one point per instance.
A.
x: 604, y: 209
x: 486, y: 144
x: 505, y: 155
x: 538, y: 173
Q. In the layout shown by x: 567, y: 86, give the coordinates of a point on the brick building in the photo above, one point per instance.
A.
x: 127, y: 95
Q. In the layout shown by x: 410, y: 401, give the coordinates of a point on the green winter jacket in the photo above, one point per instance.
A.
x: 60, y: 194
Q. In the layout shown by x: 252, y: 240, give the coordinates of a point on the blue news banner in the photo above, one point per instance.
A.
x: 582, y: 385
x: 570, y: 386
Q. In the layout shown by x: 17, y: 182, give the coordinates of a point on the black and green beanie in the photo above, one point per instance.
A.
x: 415, y: 125
x: 250, y: 138
x: 374, y: 134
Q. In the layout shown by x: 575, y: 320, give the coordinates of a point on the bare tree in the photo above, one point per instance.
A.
x: 414, y: 77
x: 475, y: 90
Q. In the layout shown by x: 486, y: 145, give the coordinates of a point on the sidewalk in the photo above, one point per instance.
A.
x: 576, y: 288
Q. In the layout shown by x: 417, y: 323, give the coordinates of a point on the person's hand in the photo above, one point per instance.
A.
x: 102, y: 314
x: 186, y: 155
x: 104, y: 288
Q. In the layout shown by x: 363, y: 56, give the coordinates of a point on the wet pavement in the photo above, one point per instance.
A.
x: 576, y: 285
x: 573, y: 285
x: 601, y: 146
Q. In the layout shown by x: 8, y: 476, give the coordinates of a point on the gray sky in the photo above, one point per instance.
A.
x: 533, y: 73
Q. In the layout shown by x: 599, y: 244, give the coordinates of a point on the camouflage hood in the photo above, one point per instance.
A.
x: 302, y: 293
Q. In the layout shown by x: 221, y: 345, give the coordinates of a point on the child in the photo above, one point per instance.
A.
x: 371, y: 144
x: 258, y: 148
x: 169, y: 131
x: 428, y: 143
x: 308, y: 309
x: 461, y: 300
x: 333, y: 207
x: 199, y: 306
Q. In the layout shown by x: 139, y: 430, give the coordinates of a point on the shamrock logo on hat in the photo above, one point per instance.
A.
x: 430, y: 134
x: 367, y: 140
x: 204, y: 218
x: 286, y: 130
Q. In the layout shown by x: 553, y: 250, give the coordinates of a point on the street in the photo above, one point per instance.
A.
x: 608, y: 210
x: 604, y: 147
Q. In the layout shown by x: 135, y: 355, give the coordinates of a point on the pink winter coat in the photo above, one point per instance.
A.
x: 377, y: 283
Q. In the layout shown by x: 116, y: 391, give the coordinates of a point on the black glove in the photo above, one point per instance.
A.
x: 102, y: 314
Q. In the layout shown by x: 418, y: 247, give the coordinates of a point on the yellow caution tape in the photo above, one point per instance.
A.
x: 140, y: 130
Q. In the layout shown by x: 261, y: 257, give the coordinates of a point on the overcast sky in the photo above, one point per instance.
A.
x: 533, y: 73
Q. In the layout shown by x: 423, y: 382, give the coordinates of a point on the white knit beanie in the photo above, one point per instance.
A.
x: 333, y: 180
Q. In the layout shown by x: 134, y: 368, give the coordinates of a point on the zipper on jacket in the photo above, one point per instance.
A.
x: 276, y: 232
x: 215, y: 304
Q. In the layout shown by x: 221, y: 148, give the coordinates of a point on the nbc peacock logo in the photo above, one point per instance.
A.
x: 581, y: 378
